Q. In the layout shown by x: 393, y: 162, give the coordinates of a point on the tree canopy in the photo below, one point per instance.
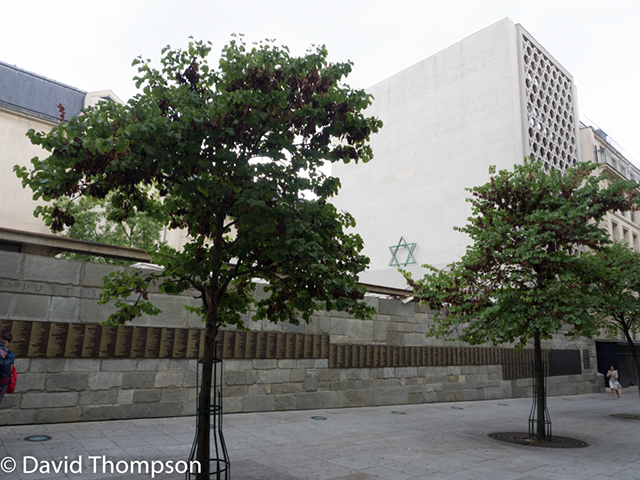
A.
x: 523, y: 278
x: 616, y: 283
x: 233, y: 155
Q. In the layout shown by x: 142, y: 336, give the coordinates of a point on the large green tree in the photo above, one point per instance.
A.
x: 522, y: 278
x: 617, y: 294
x: 232, y: 154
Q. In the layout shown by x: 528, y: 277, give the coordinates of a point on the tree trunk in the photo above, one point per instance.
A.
x: 634, y: 355
x: 203, y: 452
x: 539, y: 381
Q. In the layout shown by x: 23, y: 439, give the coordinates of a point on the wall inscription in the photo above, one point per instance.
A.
x: 75, y: 340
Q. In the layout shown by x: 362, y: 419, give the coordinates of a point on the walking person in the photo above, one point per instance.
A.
x: 614, y: 385
x: 6, y: 363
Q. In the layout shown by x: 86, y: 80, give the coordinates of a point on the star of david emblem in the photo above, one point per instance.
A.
x: 401, y: 247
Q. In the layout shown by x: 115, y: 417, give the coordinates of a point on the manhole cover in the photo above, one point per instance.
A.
x: 567, y: 400
x: 520, y: 438
x: 318, y: 418
x: 503, y: 404
x: 457, y: 408
x: 38, y: 438
x: 398, y: 413
x: 627, y: 416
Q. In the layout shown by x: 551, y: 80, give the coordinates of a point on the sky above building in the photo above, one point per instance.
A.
x: 90, y: 44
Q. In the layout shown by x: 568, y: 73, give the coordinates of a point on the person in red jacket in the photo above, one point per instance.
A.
x: 6, y: 363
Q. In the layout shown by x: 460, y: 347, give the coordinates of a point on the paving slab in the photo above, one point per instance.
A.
x: 427, y: 441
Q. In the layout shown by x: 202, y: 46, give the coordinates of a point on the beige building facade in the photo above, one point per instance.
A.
x: 600, y: 148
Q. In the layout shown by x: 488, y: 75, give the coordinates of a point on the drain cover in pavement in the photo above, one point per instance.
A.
x: 628, y: 416
x: 398, y: 413
x: 318, y: 418
x: 520, y: 438
x: 38, y: 438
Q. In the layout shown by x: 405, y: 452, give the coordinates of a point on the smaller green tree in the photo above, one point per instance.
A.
x: 617, y: 294
x: 522, y: 277
x: 98, y: 220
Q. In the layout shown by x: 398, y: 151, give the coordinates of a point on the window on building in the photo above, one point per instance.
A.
x: 615, y: 235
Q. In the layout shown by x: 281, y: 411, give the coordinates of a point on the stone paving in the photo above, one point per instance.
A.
x: 428, y: 441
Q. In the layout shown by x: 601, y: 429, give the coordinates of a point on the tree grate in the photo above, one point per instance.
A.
x: 522, y: 438
x: 627, y: 416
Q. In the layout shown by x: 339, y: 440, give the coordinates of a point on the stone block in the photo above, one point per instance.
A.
x: 49, y: 365
x: 306, y: 363
x: 104, y: 380
x: 165, y: 409
x: 329, y: 375
x: 298, y: 375
x: 64, y: 309
x: 258, y: 403
x: 124, y: 396
x: 405, y: 372
x: 45, y: 400
x: 82, y: 365
x: 322, y: 363
x: 30, y: 381
x: 469, y: 394
x: 236, y: 364
x: 136, y: 410
x: 99, y: 397
x: 51, y: 270
x: 10, y: 400
x: 310, y: 400
x: 235, y: 377
x: 5, y: 304
x: 492, y: 393
x: 353, y: 398
x: 237, y: 391
x: 273, y: 376
x: 11, y: 265
x: 93, y: 273
x: 58, y: 415
x: 63, y: 382
x: 311, y: 381
x: 449, y: 396
x: 264, y: 364
x: 96, y: 413
x: 21, y: 417
x: 138, y: 379
x: 232, y: 405
x: 289, y: 363
x: 429, y: 397
x: 119, y: 365
x: 396, y: 338
x: 174, y: 395
x: 191, y: 376
x: 391, y: 396
x: 91, y: 312
x: 147, y: 396
x: 169, y: 379
x: 152, y: 364
x: 332, y: 399
x: 284, y: 388
x: 285, y: 402
x: 29, y: 307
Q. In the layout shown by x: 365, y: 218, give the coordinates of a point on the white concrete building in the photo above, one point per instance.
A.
x: 491, y: 99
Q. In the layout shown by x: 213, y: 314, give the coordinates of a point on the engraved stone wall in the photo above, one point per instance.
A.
x: 72, y: 369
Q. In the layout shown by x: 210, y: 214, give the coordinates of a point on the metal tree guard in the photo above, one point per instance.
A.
x: 219, y: 465
x: 533, y: 415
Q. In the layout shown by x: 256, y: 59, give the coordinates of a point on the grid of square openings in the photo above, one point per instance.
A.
x: 550, y: 113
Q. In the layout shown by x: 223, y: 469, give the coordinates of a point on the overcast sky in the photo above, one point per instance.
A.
x: 90, y: 44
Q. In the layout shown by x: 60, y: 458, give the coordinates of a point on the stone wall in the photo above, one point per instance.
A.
x: 34, y: 288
